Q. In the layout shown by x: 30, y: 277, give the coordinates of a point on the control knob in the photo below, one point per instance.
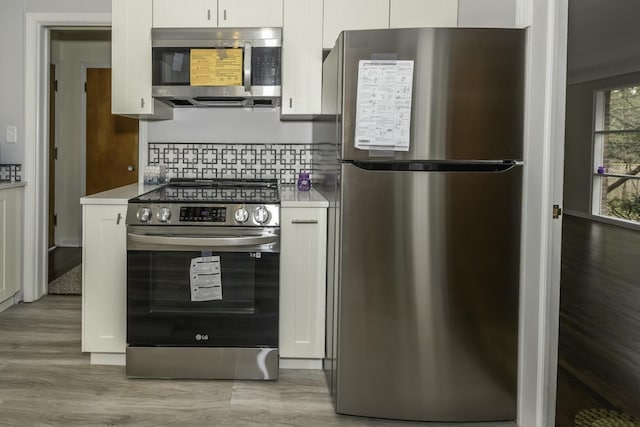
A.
x: 241, y: 215
x: 261, y: 215
x: 144, y: 215
x: 164, y: 214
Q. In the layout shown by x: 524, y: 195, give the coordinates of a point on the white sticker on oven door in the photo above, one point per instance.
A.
x: 206, y: 282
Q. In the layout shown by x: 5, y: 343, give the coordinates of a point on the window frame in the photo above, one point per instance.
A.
x: 598, y: 134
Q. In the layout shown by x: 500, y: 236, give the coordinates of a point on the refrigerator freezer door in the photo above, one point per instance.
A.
x: 428, y: 295
x: 467, y: 95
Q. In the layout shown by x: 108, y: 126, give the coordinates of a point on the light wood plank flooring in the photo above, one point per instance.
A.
x: 46, y: 380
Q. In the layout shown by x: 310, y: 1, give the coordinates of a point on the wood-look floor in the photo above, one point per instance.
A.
x: 62, y: 260
x: 46, y: 380
x: 599, y: 341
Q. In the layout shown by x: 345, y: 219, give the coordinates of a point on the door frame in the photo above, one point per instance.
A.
x: 36, y: 128
x: 55, y: 144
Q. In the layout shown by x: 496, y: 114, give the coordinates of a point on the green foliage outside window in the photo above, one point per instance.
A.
x: 621, y: 153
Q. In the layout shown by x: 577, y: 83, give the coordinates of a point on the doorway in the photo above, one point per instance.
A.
x: 81, y: 120
x: 598, y: 356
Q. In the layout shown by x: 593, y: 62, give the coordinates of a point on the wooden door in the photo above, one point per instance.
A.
x: 112, y: 141
x: 52, y: 155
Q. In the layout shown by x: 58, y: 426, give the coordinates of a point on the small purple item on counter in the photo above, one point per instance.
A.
x: 304, y: 182
x: 602, y: 169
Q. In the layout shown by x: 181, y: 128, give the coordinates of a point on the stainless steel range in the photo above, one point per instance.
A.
x: 203, y: 262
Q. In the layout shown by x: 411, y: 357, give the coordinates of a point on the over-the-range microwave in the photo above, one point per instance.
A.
x: 217, y: 66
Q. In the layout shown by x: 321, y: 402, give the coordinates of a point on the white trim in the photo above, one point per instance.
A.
x: 9, y: 302
x: 114, y: 359
x: 541, y: 236
x: 36, y: 164
x: 300, y: 363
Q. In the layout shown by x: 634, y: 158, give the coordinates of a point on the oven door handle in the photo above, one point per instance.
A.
x: 203, y: 241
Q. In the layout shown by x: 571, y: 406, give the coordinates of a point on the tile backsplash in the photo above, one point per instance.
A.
x: 261, y: 161
x: 10, y: 172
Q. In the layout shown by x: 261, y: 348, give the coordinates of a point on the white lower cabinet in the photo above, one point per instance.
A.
x: 10, y: 242
x: 104, y: 278
x: 302, y: 282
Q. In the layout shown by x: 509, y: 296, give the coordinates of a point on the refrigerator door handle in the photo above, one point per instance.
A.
x: 439, y: 165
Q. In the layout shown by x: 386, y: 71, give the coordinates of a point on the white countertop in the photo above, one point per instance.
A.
x: 117, y: 196
x: 290, y: 197
x: 7, y: 185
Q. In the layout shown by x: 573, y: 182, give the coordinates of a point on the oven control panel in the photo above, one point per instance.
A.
x: 203, y: 214
x: 248, y: 215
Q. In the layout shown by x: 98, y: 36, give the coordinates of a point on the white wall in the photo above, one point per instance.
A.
x: 12, y: 46
x: 70, y: 56
x: 11, y: 78
x: 228, y: 125
x: 487, y: 13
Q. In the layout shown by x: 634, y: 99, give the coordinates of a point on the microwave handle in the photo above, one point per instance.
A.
x: 247, y: 67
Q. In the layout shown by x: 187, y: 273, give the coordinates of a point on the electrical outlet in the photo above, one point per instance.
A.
x: 12, y: 134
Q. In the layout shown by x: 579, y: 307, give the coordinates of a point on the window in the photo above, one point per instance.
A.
x: 616, y: 174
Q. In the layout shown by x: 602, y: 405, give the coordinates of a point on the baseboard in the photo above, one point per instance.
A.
x: 6, y: 304
x: 119, y: 359
x: 69, y: 244
x: 300, y: 363
x: 116, y: 359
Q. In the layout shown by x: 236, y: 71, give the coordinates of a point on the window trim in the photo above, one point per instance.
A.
x: 597, y: 156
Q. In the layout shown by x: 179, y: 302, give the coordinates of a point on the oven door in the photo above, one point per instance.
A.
x: 202, y: 286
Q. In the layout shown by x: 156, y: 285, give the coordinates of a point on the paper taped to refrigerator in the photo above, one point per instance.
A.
x: 205, y: 279
x: 383, y: 110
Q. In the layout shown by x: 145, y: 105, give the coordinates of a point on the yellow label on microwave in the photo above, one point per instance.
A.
x: 216, y: 67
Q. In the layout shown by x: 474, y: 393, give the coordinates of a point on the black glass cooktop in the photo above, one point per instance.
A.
x: 215, y: 191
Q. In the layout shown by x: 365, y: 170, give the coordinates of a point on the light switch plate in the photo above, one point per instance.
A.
x: 12, y: 134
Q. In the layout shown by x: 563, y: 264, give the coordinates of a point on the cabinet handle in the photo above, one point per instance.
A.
x: 141, y: 102
x: 224, y: 13
x: 290, y: 102
x: 209, y: 14
x: 304, y: 221
x: 118, y: 218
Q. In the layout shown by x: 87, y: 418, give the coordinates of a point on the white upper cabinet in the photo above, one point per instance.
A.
x: 217, y: 13
x: 340, y: 15
x: 302, y: 57
x: 190, y: 13
x: 423, y: 13
x: 250, y: 13
x: 131, y: 61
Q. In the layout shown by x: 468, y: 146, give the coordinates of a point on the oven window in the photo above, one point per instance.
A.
x: 170, y: 284
x: 162, y: 311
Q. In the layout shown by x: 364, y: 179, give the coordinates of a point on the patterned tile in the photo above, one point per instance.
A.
x: 262, y: 161
x: 10, y: 172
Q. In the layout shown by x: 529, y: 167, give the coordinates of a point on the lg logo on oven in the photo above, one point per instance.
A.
x: 202, y: 337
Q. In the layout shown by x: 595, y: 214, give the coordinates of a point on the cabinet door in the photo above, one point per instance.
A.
x: 250, y: 13
x: 302, y: 57
x: 131, y: 57
x: 104, y: 278
x: 10, y: 242
x: 302, y: 282
x: 340, y: 15
x: 190, y: 13
x: 423, y: 13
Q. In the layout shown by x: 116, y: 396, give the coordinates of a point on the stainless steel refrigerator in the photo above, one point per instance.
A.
x: 419, y: 151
